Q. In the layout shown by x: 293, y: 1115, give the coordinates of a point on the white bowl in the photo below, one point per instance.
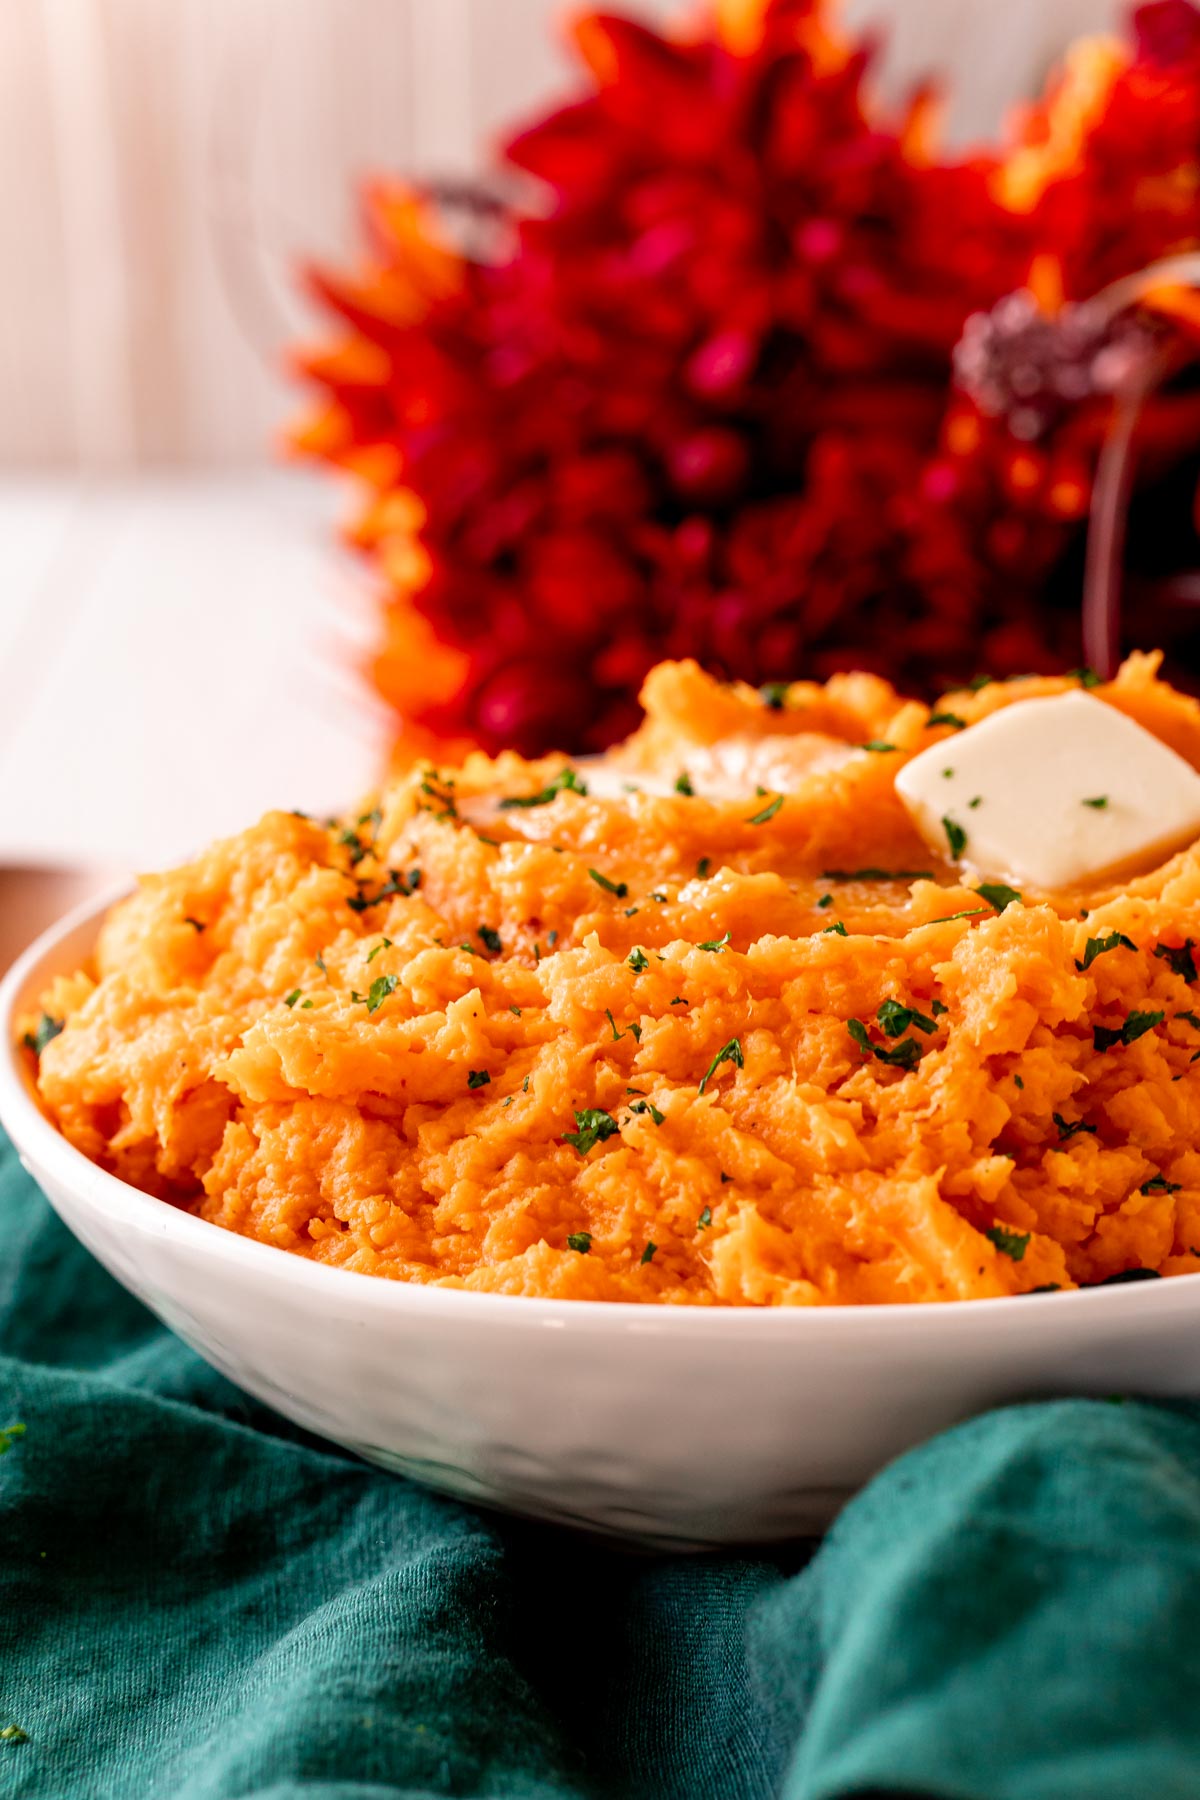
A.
x: 678, y: 1426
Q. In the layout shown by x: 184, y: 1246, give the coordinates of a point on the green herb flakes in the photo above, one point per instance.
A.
x: 837, y: 928
x: 938, y: 1007
x: 1180, y: 960
x: 45, y: 1033
x: 594, y: 1127
x: 768, y: 812
x: 956, y: 837
x: 730, y: 1053
x: 879, y: 746
x: 377, y: 993
x: 904, y: 1055
x: 877, y: 874
x: 1158, y: 1184
x: 1087, y: 678
x: 998, y: 894
x: 646, y: 1106
x: 683, y: 784
x: 477, y: 1078
x: 383, y: 944
x: 1100, y: 946
x: 648, y: 1253
x: 195, y: 924
x: 825, y: 900
x: 705, y: 1219
x: 774, y: 695
x: 489, y: 937
x: 1098, y: 804
x: 1009, y: 1243
x: 291, y: 999
x: 567, y: 781
x: 895, y: 1019
x: 1069, y: 1128
x: 716, y: 945
x: 1137, y: 1024
x: 638, y: 960
x: 580, y: 1241
x: 703, y: 866
x: 619, y: 888
x: 946, y: 718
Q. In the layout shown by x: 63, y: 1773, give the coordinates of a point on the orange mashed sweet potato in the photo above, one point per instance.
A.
x: 711, y: 1047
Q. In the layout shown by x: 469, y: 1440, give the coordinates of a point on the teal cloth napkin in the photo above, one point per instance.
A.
x: 200, y: 1602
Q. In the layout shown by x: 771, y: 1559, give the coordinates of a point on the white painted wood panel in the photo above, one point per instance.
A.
x: 164, y: 163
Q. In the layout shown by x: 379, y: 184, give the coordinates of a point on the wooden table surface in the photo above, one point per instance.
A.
x: 177, y: 654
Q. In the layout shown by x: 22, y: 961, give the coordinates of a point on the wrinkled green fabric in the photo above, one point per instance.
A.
x: 199, y: 1602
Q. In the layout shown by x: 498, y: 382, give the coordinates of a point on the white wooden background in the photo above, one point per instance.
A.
x: 163, y: 163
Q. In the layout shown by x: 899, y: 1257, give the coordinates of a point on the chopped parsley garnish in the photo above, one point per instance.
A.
x: 975, y: 912
x: 998, y: 894
x: 837, y: 928
x: 195, y: 924
x: 956, y: 837
x: 705, y: 1219
x: 47, y: 1030
x: 9, y: 1435
x: 661, y: 898
x: 825, y: 900
x: 896, y: 1019
x: 374, y: 818
x: 490, y: 939
x: 648, y: 1253
x: 768, y: 812
x: 1018, y: 1083
x: 646, y: 1106
x: 716, y: 945
x: 595, y: 1126
x: 619, y: 888
x: 1158, y: 1184
x: 1087, y: 678
x: 979, y: 681
x: 377, y: 993
x: 396, y: 883
x: 879, y: 745
x: 1190, y: 1018
x: 320, y: 962
x: 383, y: 944
x: 977, y: 801
x: 638, y: 960
x: 291, y: 999
x: 946, y: 718
x: 634, y: 1031
x: 683, y: 784
x: 730, y: 1053
x: 445, y: 799
x: 1100, y: 946
x: 1136, y: 1025
x: 1068, y: 1128
x: 1181, y: 960
x: 877, y: 874
x: 904, y: 1055
x: 1123, y: 1275
x: 774, y: 694
x: 947, y: 774
x: 938, y: 1007
x: 581, y: 1241
x: 1009, y: 1243
x: 567, y: 781
x: 703, y: 866
x: 353, y: 843
x: 472, y: 951
x: 477, y: 1078
x: 1098, y: 804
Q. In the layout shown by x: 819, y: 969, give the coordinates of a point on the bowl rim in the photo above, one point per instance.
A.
x: 32, y: 1133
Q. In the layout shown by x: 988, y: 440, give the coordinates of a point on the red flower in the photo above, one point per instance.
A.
x: 702, y: 402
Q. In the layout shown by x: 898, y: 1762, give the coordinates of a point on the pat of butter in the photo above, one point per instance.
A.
x: 1055, y: 792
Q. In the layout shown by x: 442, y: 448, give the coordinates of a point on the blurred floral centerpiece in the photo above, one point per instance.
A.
x: 733, y: 363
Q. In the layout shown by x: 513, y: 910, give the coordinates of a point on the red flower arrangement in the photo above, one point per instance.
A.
x: 767, y: 382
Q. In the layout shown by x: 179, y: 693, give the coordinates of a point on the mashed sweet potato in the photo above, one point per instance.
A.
x: 673, y: 1046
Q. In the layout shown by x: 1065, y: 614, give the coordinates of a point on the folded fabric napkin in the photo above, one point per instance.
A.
x: 200, y: 1602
